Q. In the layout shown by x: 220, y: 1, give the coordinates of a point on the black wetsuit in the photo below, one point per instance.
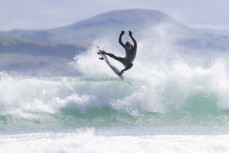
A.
x: 130, y: 54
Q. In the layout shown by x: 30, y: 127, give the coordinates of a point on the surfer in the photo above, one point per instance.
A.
x: 130, y: 49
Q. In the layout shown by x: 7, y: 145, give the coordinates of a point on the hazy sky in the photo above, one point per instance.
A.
x: 40, y: 14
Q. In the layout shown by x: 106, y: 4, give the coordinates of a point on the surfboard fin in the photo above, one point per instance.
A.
x: 101, y: 58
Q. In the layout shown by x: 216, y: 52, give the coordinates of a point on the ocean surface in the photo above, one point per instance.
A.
x: 178, y: 101
x: 105, y: 114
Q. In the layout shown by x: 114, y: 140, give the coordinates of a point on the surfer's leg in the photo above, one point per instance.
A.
x: 129, y: 65
x: 120, y: 59
x: 111, y: 55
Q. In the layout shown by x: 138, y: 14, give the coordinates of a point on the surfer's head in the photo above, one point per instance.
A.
x: 129, y: 46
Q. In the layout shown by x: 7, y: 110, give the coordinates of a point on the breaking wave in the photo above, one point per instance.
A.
x: 174, y: 83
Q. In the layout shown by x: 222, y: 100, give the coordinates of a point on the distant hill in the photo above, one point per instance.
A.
x: 85, y: 31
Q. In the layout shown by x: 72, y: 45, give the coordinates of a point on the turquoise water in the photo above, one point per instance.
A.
x: 65, y: 104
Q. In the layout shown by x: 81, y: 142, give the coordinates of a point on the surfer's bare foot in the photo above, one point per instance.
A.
x: 101, y: 58
x: 103, y: 52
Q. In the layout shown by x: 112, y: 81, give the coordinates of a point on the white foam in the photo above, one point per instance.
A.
x: 161, y: 90
x: 88, y: 142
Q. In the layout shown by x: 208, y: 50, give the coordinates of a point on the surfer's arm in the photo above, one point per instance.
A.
x: 120, y: 39
x: 135, y: 43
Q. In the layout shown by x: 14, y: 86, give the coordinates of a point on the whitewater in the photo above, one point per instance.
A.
x: 178, y: 101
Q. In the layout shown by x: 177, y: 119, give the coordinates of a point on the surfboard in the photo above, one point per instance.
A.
x: 113, y: 68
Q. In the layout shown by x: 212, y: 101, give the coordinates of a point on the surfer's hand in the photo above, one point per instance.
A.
x: 130, y: 33
x: 122, y: 32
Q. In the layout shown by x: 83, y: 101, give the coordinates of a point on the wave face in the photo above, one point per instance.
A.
x: 195, y: 98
